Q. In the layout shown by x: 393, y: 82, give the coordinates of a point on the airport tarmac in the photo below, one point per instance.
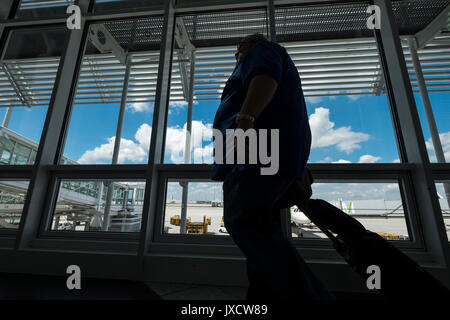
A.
x: 395, y: 225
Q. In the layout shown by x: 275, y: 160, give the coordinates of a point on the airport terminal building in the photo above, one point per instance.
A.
x: 106, y: 144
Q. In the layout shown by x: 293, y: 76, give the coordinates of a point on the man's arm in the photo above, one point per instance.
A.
x: 259, y: 94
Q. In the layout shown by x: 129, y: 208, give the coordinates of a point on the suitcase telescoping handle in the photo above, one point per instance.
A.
x: 402, y: 277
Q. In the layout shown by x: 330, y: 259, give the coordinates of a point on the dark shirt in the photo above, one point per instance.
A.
x: 286, y: 111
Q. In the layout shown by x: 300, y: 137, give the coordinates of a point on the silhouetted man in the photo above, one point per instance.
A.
x: 264, y: 92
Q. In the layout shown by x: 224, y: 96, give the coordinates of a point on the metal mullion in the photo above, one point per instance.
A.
x: 407, y: 124
x: 441, y: 171
x: 159, y: 124
x: 16, y: 172
x: 50, y: 139
x: 332, y: 172
x: 8, y: 9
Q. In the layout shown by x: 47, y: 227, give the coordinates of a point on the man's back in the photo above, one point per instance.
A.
x: 286, y: 111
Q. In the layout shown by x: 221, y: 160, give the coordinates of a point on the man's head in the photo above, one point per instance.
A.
x: 247, y: 43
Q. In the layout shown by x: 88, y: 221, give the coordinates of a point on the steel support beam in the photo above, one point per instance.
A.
x: 53, y: 129
x: 17, y: 87
x: 7, y: 117
x: 413, y: 148
x: 157, y: 142
x: 8, y: 8
x: 285, y: 214
x: 435, y: 27
x: 437, y: 145
x: 117, y: 140
x: 271, y: 21
x: 187, y: 147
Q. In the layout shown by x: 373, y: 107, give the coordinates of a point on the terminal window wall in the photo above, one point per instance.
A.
x: 12, y: 199
x: 28, y: 70
x: 118, y: 76
x: 444, y: 203
x: 341, y: 77
x: 427, y: 56
x: 208, y: 41
x: 83, y: 206
x: 342, y: 81
x: 433, y: 61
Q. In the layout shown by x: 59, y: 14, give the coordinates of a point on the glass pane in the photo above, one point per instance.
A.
x: 100, y: 89
x: 377, y: 206
x: 435, y: 64
x: 12, y: 199
x: 213, y: 37
x: 27, y: 75
x: 443, y: 192
x: 43, y: 8
x: 83, y: 205
x: 433, y: 59
x: 204, y: 208
x: 339, y: 67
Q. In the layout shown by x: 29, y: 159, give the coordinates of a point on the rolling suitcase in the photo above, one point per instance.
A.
x: 400, y: 277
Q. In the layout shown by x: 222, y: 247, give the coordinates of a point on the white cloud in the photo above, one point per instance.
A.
x: 148, y: 106
x: 445, y: 141
x: 357, y: 191
x: 129, y: 151
x: 353, y: 97
x: 396, y: 160
x: 137, y: 151
x: 200, y: 132
x: 178, y: 104
x: 367, y: 158
x: 314, y: 100
x: 326, y: 160
x: 143, y: 135
x: 342, y: 161
x: 350, y: 95
x: 324, y: 134
x: 140, y: 107
x: 175, y: 142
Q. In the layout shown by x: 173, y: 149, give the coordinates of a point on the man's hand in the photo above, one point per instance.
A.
x: 244, y: 124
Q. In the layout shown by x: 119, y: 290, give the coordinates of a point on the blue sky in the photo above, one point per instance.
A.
x: 345, y: 128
